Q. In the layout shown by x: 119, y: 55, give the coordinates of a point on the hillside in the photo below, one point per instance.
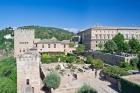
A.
x: 49, y: 32
x: 40, y: 32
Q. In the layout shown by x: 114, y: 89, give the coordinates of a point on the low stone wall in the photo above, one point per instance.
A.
x: 109, y: 58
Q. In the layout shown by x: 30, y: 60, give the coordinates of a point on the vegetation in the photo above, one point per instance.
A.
x: 70, y: 58
x: 132, y: 65
x: 71, y: 44
x: 45, y: 58
x: 118, y: 44
x: 97, y: 63
x: 52, y: 80
x: 8, y: 75
x: 119, y: 40
x: 86, y: 89
x: 114, y: 71
x: 80, y: 48
x: 110, y: 46
x: 100, y: 45
x: 134, y: 45
x: 89, y: 59
x: 7, y: 85
x: 49, y: 32
x: 6, y: 44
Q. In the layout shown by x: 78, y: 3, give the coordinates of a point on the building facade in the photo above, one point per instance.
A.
x: 24, y: 39
x: 93, y: 36
x: 54, y: 46
x: 28, y: 73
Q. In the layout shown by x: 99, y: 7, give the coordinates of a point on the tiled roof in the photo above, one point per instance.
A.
x: 46, y: 41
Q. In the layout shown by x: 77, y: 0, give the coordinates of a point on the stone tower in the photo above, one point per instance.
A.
x: 28, y: 72
x: 23, y: 40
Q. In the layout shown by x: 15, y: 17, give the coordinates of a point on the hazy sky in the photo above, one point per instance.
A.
x: 74, y: 14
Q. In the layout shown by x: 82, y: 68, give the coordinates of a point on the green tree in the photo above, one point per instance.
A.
x: 89, y: 59
x: 119, y: 40
x: 80, y: 48
x: 7, y: 85
x: 97, y: 63
x: 110, y: 46
x: 134, y: 45
x: 126, y: 47
x: 86, y: 89
x: 52, y: 80
x: 71, y: 59
x: 114, y: 71
x: 100, y: 45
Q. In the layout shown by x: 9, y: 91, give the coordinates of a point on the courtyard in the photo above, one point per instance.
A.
x: 69, y: 84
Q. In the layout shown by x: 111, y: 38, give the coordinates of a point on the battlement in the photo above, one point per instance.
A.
x: 29, y: 56
x: 24, y: 32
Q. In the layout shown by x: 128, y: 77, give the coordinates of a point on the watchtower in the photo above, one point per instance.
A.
x: 23, y: 40
x: 28, y: 72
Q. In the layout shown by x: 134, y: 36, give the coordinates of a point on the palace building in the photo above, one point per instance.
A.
x: 24, y: 39
x: 100, y: 34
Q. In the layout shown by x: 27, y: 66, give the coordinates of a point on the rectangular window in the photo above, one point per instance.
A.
x: 36, y: 45
x: 64, y: 46
x: 42, y: 45
x: 33, y: 89
x: 49, y: 45
x: 54, y: 45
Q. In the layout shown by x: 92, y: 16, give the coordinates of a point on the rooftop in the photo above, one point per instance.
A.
x: 53, y: 40
x: 111, y: 28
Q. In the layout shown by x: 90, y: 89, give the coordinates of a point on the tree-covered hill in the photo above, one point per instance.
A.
x: 49, y: 32
x: 40, y: 32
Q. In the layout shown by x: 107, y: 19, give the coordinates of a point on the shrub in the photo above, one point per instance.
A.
x: 114, y: 71
x: 86, y: 89
x: 89, y: 59
x: 97, y: 63
x: 52, y: 80
x: 129, y: 66
x: 71, y: 59
x: 45, y: 58
x: 7, y: 85
x: 8, y: 75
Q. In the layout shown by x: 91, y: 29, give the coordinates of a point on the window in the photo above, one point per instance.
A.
x: 96, y: 36
x: 36, y: 45
x: 23, y: 50
x: 64, y: 46
x: 42, y: 45
x: 23, y: 42
x: 54, y: 45
x: 27, y: 82
x: 20, y: 50
x: 49, y: 45
x: 33, y: 89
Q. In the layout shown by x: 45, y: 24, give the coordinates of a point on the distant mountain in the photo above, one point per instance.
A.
x: 49, y: 32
